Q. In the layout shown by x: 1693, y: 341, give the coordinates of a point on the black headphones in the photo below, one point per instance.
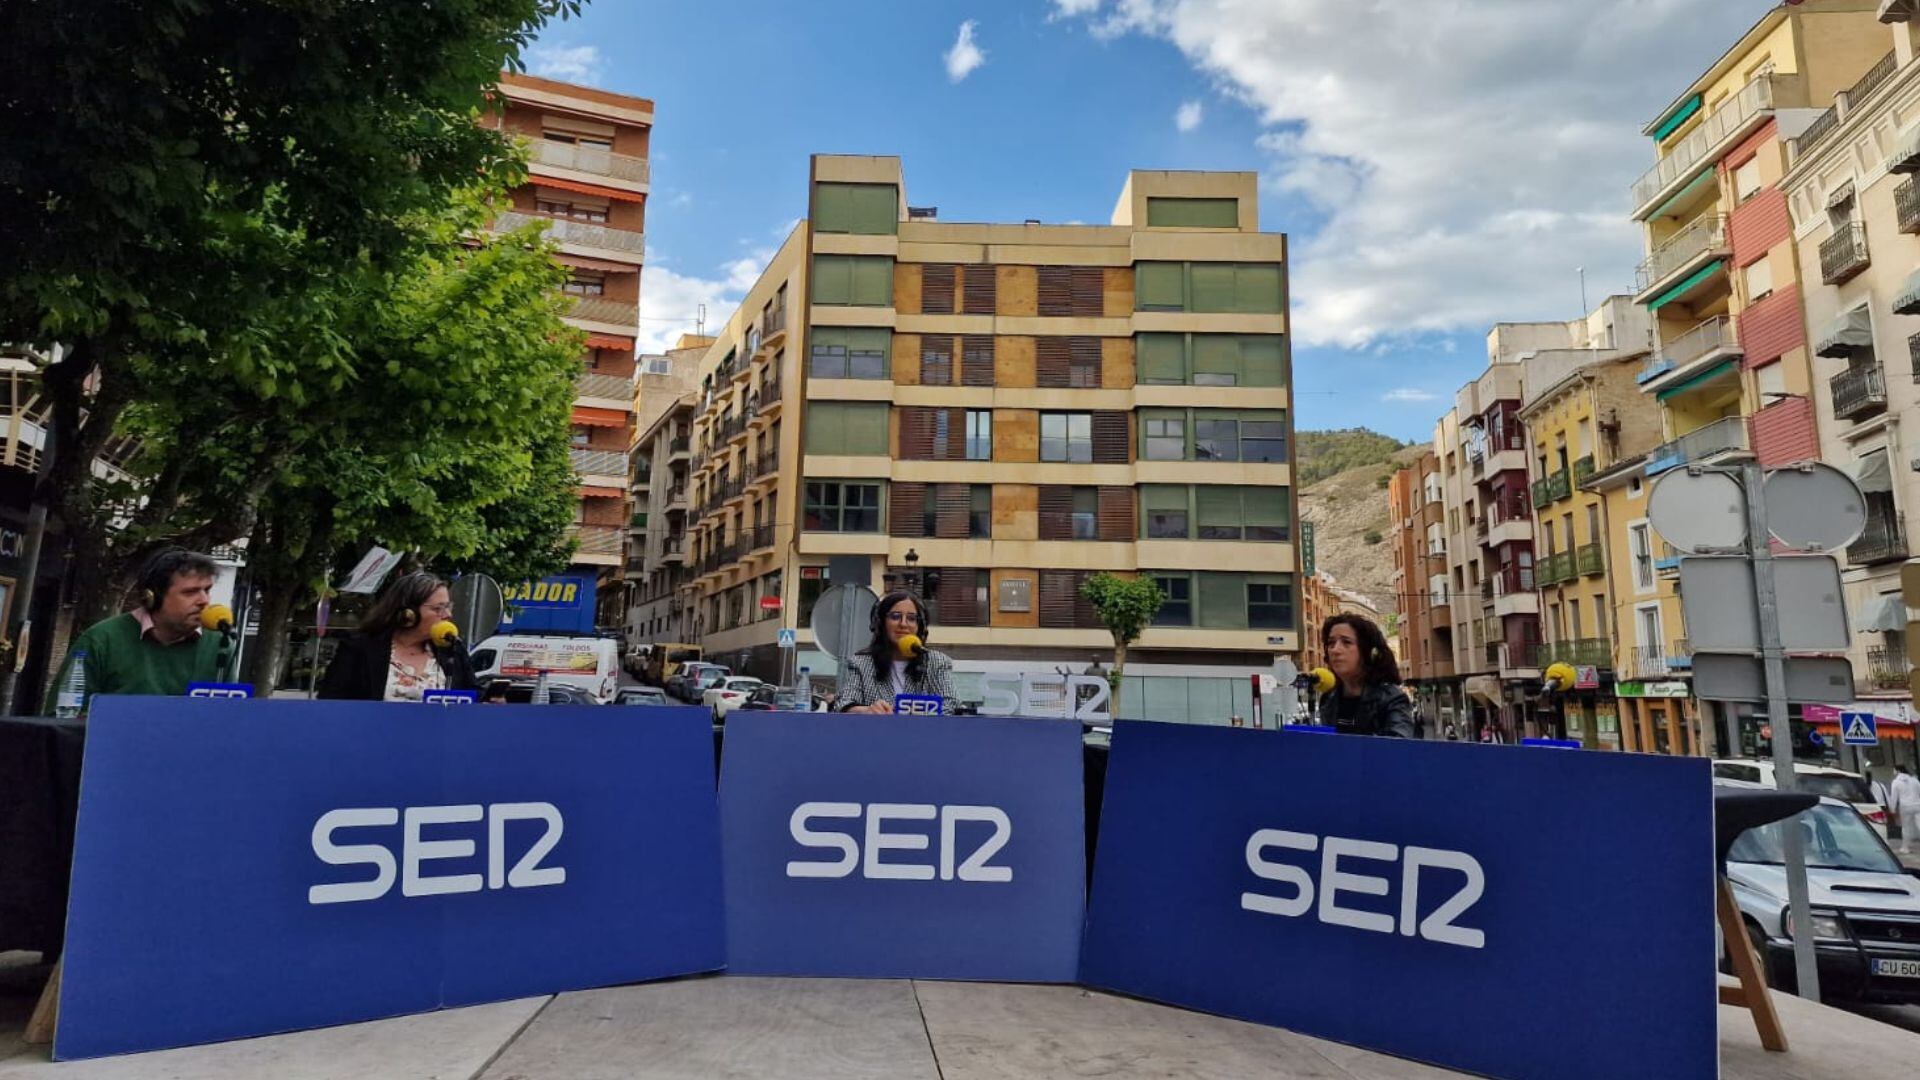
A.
x: 156, y: 574
x: 410, y: 616
x: 890, y: 601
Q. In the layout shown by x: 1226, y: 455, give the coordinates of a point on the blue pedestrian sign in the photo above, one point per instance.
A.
x: 1859, y: 729
x: 788, y: 639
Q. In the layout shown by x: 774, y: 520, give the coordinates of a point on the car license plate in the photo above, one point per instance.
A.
x: 1909, y: 969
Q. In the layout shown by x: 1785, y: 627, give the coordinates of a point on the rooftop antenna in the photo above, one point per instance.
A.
x: 700, y: 322
x: 1584, y: 309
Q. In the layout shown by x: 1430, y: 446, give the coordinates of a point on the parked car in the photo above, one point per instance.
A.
x: 520, y: 692
x: 1866, y: 906
x: 685, y: 684
x: 723, y: 695
x: 641, y: 695
x: 770, y: 698
x: 1849, y: 787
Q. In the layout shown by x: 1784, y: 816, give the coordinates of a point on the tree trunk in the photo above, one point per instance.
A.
x: 1119, y: 666
x: 269, y: 654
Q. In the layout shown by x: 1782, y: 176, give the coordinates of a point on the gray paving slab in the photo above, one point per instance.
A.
x: 1824, y: 1044
x: 454, y: 1044
x: 727, y: 1028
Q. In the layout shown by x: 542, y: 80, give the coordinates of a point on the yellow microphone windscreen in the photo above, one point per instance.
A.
x: 444, y: 633
x: 1322, y: 680
x: 216, y: 617
x: 911, y: 645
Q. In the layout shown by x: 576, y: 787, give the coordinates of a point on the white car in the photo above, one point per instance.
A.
x: 727, y: 694
x: 1849, y: 787
x: 1866, y: 907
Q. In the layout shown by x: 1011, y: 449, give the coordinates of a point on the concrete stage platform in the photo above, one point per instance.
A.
x: 798, y: 1029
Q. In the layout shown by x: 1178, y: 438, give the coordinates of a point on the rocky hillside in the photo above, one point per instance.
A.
x: 1350, y: 506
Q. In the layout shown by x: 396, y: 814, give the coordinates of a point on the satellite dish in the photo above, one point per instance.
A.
x: 843, y: 619
x: 477, y: 603
x: 1815, y: 507
x: 1699, y: 512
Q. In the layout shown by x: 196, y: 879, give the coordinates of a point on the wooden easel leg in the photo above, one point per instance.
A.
x: 1752, y: 991
x: 40, y: 1024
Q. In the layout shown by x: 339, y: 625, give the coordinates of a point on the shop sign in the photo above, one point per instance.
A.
x: 1653, y: 690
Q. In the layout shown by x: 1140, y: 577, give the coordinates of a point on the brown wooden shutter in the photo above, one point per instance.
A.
x: 976, y: 358
x: 1083, y: 363
x: 1057, y: 600
x: 1056, y: 512
x: 1088, y: 292
x: 955, y: 598
x: 1052, y: 361
x: 953, y: 505
x: 1116, y: 514
x: 906, y: 508
x: 1110, y: 437
x: 979, y: 292
x: 956, y: 448
x: 1085, y: 615
x: 936, y: 360
x: 916, y: 433
x: 1056, y: 290
x: 936, y: 289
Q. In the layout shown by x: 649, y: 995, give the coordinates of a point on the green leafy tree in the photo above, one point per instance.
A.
x: 1126, y: 607
x: 1320, y: 454
x: 180, y: 180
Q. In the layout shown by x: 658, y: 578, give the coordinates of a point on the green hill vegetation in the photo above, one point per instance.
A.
x: 1323, y: 453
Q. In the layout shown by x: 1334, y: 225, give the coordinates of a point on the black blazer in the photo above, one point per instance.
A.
x: 359, y: 668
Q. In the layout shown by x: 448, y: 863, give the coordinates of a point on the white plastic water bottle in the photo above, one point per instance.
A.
x: 542, y: 695
x: 72, y: 699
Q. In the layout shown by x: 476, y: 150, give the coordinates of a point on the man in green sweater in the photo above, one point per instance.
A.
x: 158, y: 647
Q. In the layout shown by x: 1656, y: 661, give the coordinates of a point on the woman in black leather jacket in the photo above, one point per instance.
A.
x: 1367, y: 698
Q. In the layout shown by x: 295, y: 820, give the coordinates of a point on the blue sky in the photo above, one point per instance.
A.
x: 1438, y: 168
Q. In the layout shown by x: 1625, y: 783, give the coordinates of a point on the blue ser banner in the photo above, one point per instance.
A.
x: 875, y: 846
x: 1499, y: 910
x: 244, y: 868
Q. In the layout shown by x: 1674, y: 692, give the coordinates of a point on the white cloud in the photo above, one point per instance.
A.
x: 680, y: 198
x: 1409, y: 393
x: 1187, y: 116
x: 1459, y: 160
x: 568, y: 63
x: 965, y: 55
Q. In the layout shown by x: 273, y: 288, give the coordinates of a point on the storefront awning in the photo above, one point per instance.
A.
x: 1484, y: 687
x: 609, y: 341
x: 1872, y: 472
x: 1907, y: 300
x: 588, y: 189
x: 590, y: 416
x: 1840, y: 194
x: 601, y: 493
x: 1881, y: 614
x: 1906, y: 151
x: 1853, y: 330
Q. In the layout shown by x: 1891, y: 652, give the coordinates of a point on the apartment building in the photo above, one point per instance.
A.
x: 663, y: 405
x: 587, y: 185
x: 993, y: 412
x: 1423, y: 587
x: 1855, y: 206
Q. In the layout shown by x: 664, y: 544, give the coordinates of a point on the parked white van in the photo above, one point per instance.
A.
x: 592, y: 664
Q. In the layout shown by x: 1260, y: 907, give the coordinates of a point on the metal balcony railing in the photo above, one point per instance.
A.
x: 1486, y: 589
x: 599, y: 463
x: 1556, y: 568
x: 599, y: 539
x: 1518, y: 654
x: 1705, y: 235
x: 581, y: 233
x: 1593, y: 652
x: 1591, y: 559
x: 1906, y: 205
x: 587, y: 159
x: 1856, y: 94
x: 679, y: 444
x: 1883, y: 540
x: 602, y: 310
x: 1913, y: 356
x: 1727, y: 433
x: 762, y: 537
x: 767, y: 465
x: 1844, y: 254
x: 1690, y: 154
x: 775, y: 322
x: 769, y: 394
x: 1859, y: 390
x: 1716, y: 335
x: 603, y: 386
x: 1887, y: 668
x: 1583, y: 467
x: 1817, y: 130
x: 1480, y: 527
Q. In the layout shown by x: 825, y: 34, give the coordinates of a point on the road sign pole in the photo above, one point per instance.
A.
x: 1760, y: 552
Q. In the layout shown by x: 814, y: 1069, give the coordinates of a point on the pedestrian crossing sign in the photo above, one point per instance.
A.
x: 1859, y: 729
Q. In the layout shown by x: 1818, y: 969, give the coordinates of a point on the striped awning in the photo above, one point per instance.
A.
x: 582, y: 262
x: 588, y: 189
x: 1840, y: 194
x: 1906, y: 152
x: 1851, y: 331
x: 609, y: 341
x: 587, y: 492
x: 1907, y: 300
x: 589, y: 416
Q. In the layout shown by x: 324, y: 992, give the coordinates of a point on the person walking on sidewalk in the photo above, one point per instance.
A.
x: 1905, y: 802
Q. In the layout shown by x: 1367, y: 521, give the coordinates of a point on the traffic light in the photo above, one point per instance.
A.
x: 1910, y: 594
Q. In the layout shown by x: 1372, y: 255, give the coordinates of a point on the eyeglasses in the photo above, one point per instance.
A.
x: 903, y: 617
x: 437, y: 609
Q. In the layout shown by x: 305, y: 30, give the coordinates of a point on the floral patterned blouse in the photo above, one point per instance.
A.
x: 406, y: 684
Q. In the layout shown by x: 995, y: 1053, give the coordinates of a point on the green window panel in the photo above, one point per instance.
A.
x: 1223, y: 601
x: 1256, y: 288
x: 1161, y: 358
x: 1159, y: 286
x: 858, y: 280
x: 1267, y: 513
x: 1263, y: 360
x: 847, y: 427
x: 1216, y: 359
x: 872, y: 209
x: 850, y: 352
x: 1193, y: 213
x: 1166, y: 512
x: 1213, y: 286
x: 1211, y: 359
x: 1218, y: 509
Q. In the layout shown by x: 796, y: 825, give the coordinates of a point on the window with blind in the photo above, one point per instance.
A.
x: 1208, y: 287
x: 871, y: 209
x: 849, y: 352
x: 937, y: 282
x: 1061, y: 604
x: 1067, y: 362
x: 950, y: 511
x: 847, y: 427
x: 836, y: 507
x: 936, y: 361
x: 1167, y: 511
x: 856, y: 280
x: 1176, y: 609
x: 960, y: 596
x: 979, y: 289
x: 976, y: 360
x: 1211, y: 359
x: 1072, y: 291
x: 931, y: 434
x: 1186, y: 213
x: 1163, y: 435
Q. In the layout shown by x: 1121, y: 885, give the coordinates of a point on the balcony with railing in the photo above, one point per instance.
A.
x: 599, y: 540
x: 1725, y: 435
x: 1480, y: 528
x: 1857, y: 93
x: 1906, y: 205
x: 674, y: 548
x: 775, y: 322
x: 770, y: 395
x: 1844, y: 254
x: 1556, y: 568
x: 1486, y: 591
x: 1884, y: 539
x: 1552, y: 488
x: 767, y: 465
x: 1685, y: 251
x: 1511, y: 580
x: 1512, y: 656
x: 599, y: 463
x: 1858, y: 391
x: 577, y: 233
x: 1700, y: 149
x: 599, y: 309
x: 604, y: 387
x: 1913, y: 356
x: 679, y: 444
x: 1887, y: 668
x: 587, y: 159
x: 1715, y: 339
x: 762, y: 537
x: 1591, y: 559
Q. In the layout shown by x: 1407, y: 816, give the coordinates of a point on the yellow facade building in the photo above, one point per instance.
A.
x: 992, y: 413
